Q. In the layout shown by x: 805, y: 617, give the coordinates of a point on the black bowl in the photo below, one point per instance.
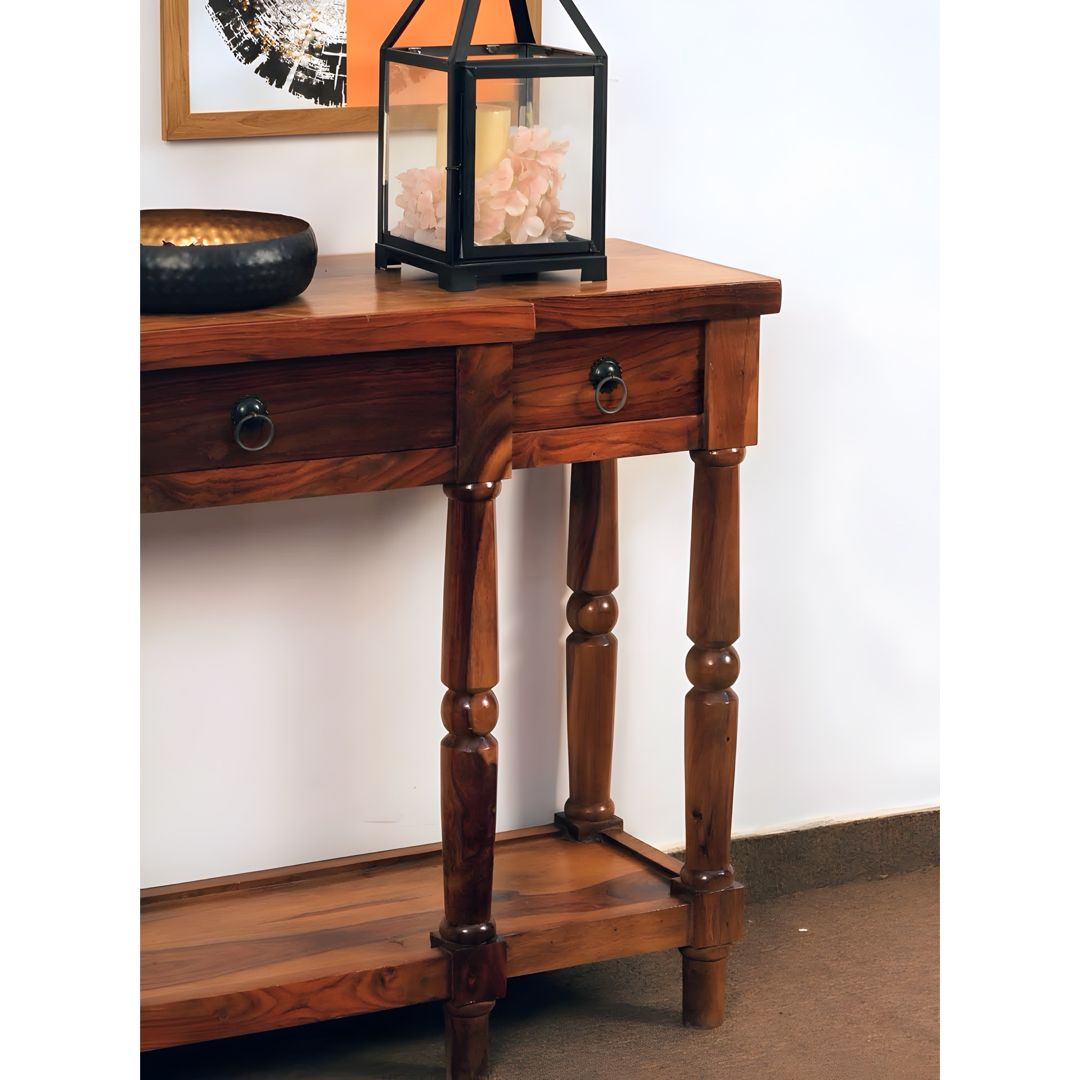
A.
x: 222, y: 260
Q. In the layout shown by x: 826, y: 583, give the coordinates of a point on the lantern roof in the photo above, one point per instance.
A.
x: 526, y: 45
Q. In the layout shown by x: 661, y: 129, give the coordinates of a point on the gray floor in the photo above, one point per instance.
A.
x: 837, y: 983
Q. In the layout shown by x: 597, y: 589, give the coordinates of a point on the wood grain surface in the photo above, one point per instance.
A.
x: 415, y: 468
x: 297, y: 479
x: 381, y: 379
x: 731, y: 382
x: 659, y: 859
x: 470, y: 656
x: 562, y: 446
x: 661, y: 366
x: 711, y: 712
x: 273, y: 955
x: 645, y: 285
x: 338, y: 313
x: 485, y: 413
x: 349, y: 307
x: 356, y: 865
x: 592, y: 573
x: 592, y: 548
x: 342, y: 406
x: 469, y: 760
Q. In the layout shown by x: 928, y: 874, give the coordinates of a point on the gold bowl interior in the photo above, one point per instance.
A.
x: 213, y: 227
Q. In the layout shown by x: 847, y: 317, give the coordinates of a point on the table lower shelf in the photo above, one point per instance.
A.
x: 238, y: 955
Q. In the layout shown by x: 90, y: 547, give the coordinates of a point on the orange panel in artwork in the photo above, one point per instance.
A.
x: 367, y: 22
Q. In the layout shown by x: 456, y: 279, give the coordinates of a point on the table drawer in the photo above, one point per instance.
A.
x: 662, y: 367
x: 322, y: 407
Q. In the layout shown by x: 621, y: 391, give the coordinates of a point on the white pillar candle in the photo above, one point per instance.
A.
x: 492, y: 136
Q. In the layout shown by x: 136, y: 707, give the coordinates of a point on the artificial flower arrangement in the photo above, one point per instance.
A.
x: 517, y: 202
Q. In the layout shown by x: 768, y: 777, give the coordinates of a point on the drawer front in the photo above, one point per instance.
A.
x: 662, y: 367
x: 323, y: 407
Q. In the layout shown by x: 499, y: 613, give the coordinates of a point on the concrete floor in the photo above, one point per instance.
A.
x: 838, y: 983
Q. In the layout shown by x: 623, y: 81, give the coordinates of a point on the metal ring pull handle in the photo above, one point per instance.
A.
x: 600, y: 389
x: 605, y: 374
x: 252, y: 427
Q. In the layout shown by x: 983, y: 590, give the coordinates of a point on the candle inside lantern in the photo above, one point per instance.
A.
x: 492, y: 136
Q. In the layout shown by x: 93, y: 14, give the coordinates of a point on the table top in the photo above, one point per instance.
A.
x: 349, y: 307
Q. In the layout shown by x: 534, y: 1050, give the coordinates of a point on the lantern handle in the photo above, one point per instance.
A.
x: 463, y: 35
x: 583, y: 29
x: 523, y: 28
x: 402, y: 24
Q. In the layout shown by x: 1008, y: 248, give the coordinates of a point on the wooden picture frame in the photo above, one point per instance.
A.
x: 179, y: 122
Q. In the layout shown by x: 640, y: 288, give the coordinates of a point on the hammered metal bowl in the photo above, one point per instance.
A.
x: 196, y: 261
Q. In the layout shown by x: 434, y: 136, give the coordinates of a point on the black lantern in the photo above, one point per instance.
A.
x: 492, y: 156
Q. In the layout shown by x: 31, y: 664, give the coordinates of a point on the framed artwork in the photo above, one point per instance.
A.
x: 231, y: 68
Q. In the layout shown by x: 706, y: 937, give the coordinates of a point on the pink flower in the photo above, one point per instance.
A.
x: 520, y: 140
x: 425, y: 207
x: 553, y: 154
x: 515, y: 203
x: 533, y: 184
x: 524, y: 140
x: 527, y: 229
x: 488, y: 223
x: 502, y: 177
x: 423, y: 203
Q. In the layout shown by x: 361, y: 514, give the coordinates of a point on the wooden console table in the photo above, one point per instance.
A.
x: 375, y: 382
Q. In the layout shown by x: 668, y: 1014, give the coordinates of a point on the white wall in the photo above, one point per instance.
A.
x: 290, y: 651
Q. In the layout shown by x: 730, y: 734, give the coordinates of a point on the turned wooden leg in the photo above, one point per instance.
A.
x: 592, y: 571
x: 469, y: 765
x: 712, y: 666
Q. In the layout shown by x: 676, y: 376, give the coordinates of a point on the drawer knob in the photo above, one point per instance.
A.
x: 605, y: 375
x: 252, y: 427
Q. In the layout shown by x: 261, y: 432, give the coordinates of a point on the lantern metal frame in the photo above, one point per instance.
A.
x: 463, y: 263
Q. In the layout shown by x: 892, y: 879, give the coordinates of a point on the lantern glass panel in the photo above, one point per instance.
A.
x: 534, y: 160
x: 414, y: 168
